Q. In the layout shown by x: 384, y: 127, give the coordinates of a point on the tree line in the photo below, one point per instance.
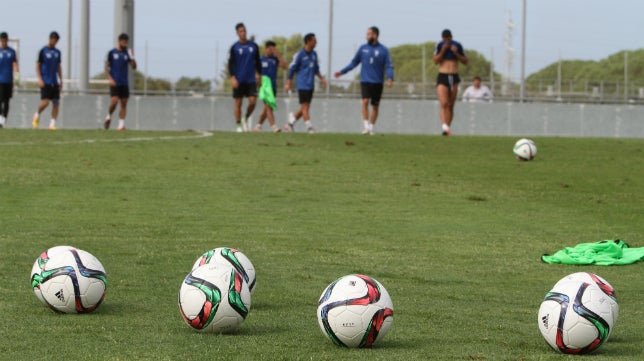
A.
x: 413, y: 64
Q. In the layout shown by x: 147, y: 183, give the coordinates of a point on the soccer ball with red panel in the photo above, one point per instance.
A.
x: 578, y: 315
x: 69, y: 280
x: 232, y: 257
x: 355, y: 311
x: 214, y: 298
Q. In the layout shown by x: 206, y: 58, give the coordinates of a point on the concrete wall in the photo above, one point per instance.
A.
x: 343, y: 116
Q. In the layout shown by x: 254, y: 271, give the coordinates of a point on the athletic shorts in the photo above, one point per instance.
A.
x: 6, y: 91
x: 245, y: 90
x: 449, y: 80
x: 306, y: 96
x: 372, y: 91
x: 120, y: 91
x: 50, y: 92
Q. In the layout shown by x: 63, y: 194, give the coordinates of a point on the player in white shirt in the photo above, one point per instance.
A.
x: 477, y: 93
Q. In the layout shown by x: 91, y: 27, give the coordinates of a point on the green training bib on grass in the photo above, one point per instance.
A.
x: 603, y: 253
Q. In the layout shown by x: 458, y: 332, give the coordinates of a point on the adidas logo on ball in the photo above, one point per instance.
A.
x: 544, y: 320
x: 60, y: 295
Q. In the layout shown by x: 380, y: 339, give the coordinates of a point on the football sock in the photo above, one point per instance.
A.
x: 445, y: 128
x: 371, y: 127
x: 308, y: 124
x: 366, y: 123
x: 121, y: 123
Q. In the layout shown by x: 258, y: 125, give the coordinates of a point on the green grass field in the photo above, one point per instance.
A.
x: 453, y: 228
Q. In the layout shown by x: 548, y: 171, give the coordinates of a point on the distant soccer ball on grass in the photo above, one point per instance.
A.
x: 69, y: 280
x: 355, y: 311
x: 214, y: 298
x: 577, y: 317
x: 525, y: 149
x: 231, y: 257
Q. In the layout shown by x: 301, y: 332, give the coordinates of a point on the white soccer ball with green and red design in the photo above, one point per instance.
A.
x: 592, y: 278
x: 232, y: 257
x: 69, y: 280
x: 577, y: 317
x: 525, y: 149
x: 355, y: 311
x: 214, y: 298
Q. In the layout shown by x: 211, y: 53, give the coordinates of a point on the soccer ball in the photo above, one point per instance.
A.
x: 69, y: 280
x: 600, y: 282
x: 214, y: 298
x: 591, y: 278
x: 355, y: 311
x: 576, y: 317
x: 232, y: 257
x: 525, y: 149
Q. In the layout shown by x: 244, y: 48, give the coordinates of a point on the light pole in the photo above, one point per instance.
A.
x: 124, y: 23
x: 68, y: 52
x: 523, y: 19
x: 328, y: 69
x: 83, y: 78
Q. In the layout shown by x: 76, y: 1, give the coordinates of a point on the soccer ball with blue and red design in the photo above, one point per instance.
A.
x: 232, y: 257
x: 588, y: 277
x: 355, y: 311
x: 214, y: 298
x: 69, y: 280
x: 577, y: 316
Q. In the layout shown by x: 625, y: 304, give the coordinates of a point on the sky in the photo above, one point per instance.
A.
x: 192, y: 37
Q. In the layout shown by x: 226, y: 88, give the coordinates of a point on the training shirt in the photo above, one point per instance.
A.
x: 118, y: 62
x: 49, y: 59
x: 603, y: 253
x: 306, y: 65
x: 244, y: 62
x: 473, y: 95
x: 375, y: 60
x: 7, y: 58
x: 269, y: 68
x: 449, y: 54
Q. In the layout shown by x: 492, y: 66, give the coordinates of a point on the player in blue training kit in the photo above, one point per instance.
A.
x: 50, y: 80
x: 8, y: 74
x: 376, y: 63
x: 244, y: 67
x: 271, y: 62
x: 116, y: 68
x: 305, y: 64
x: 447, y: 55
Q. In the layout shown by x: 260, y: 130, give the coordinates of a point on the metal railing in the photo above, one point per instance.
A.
x: 566, y: 91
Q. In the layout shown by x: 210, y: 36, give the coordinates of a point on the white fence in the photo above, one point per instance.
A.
x: 343, y: 116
